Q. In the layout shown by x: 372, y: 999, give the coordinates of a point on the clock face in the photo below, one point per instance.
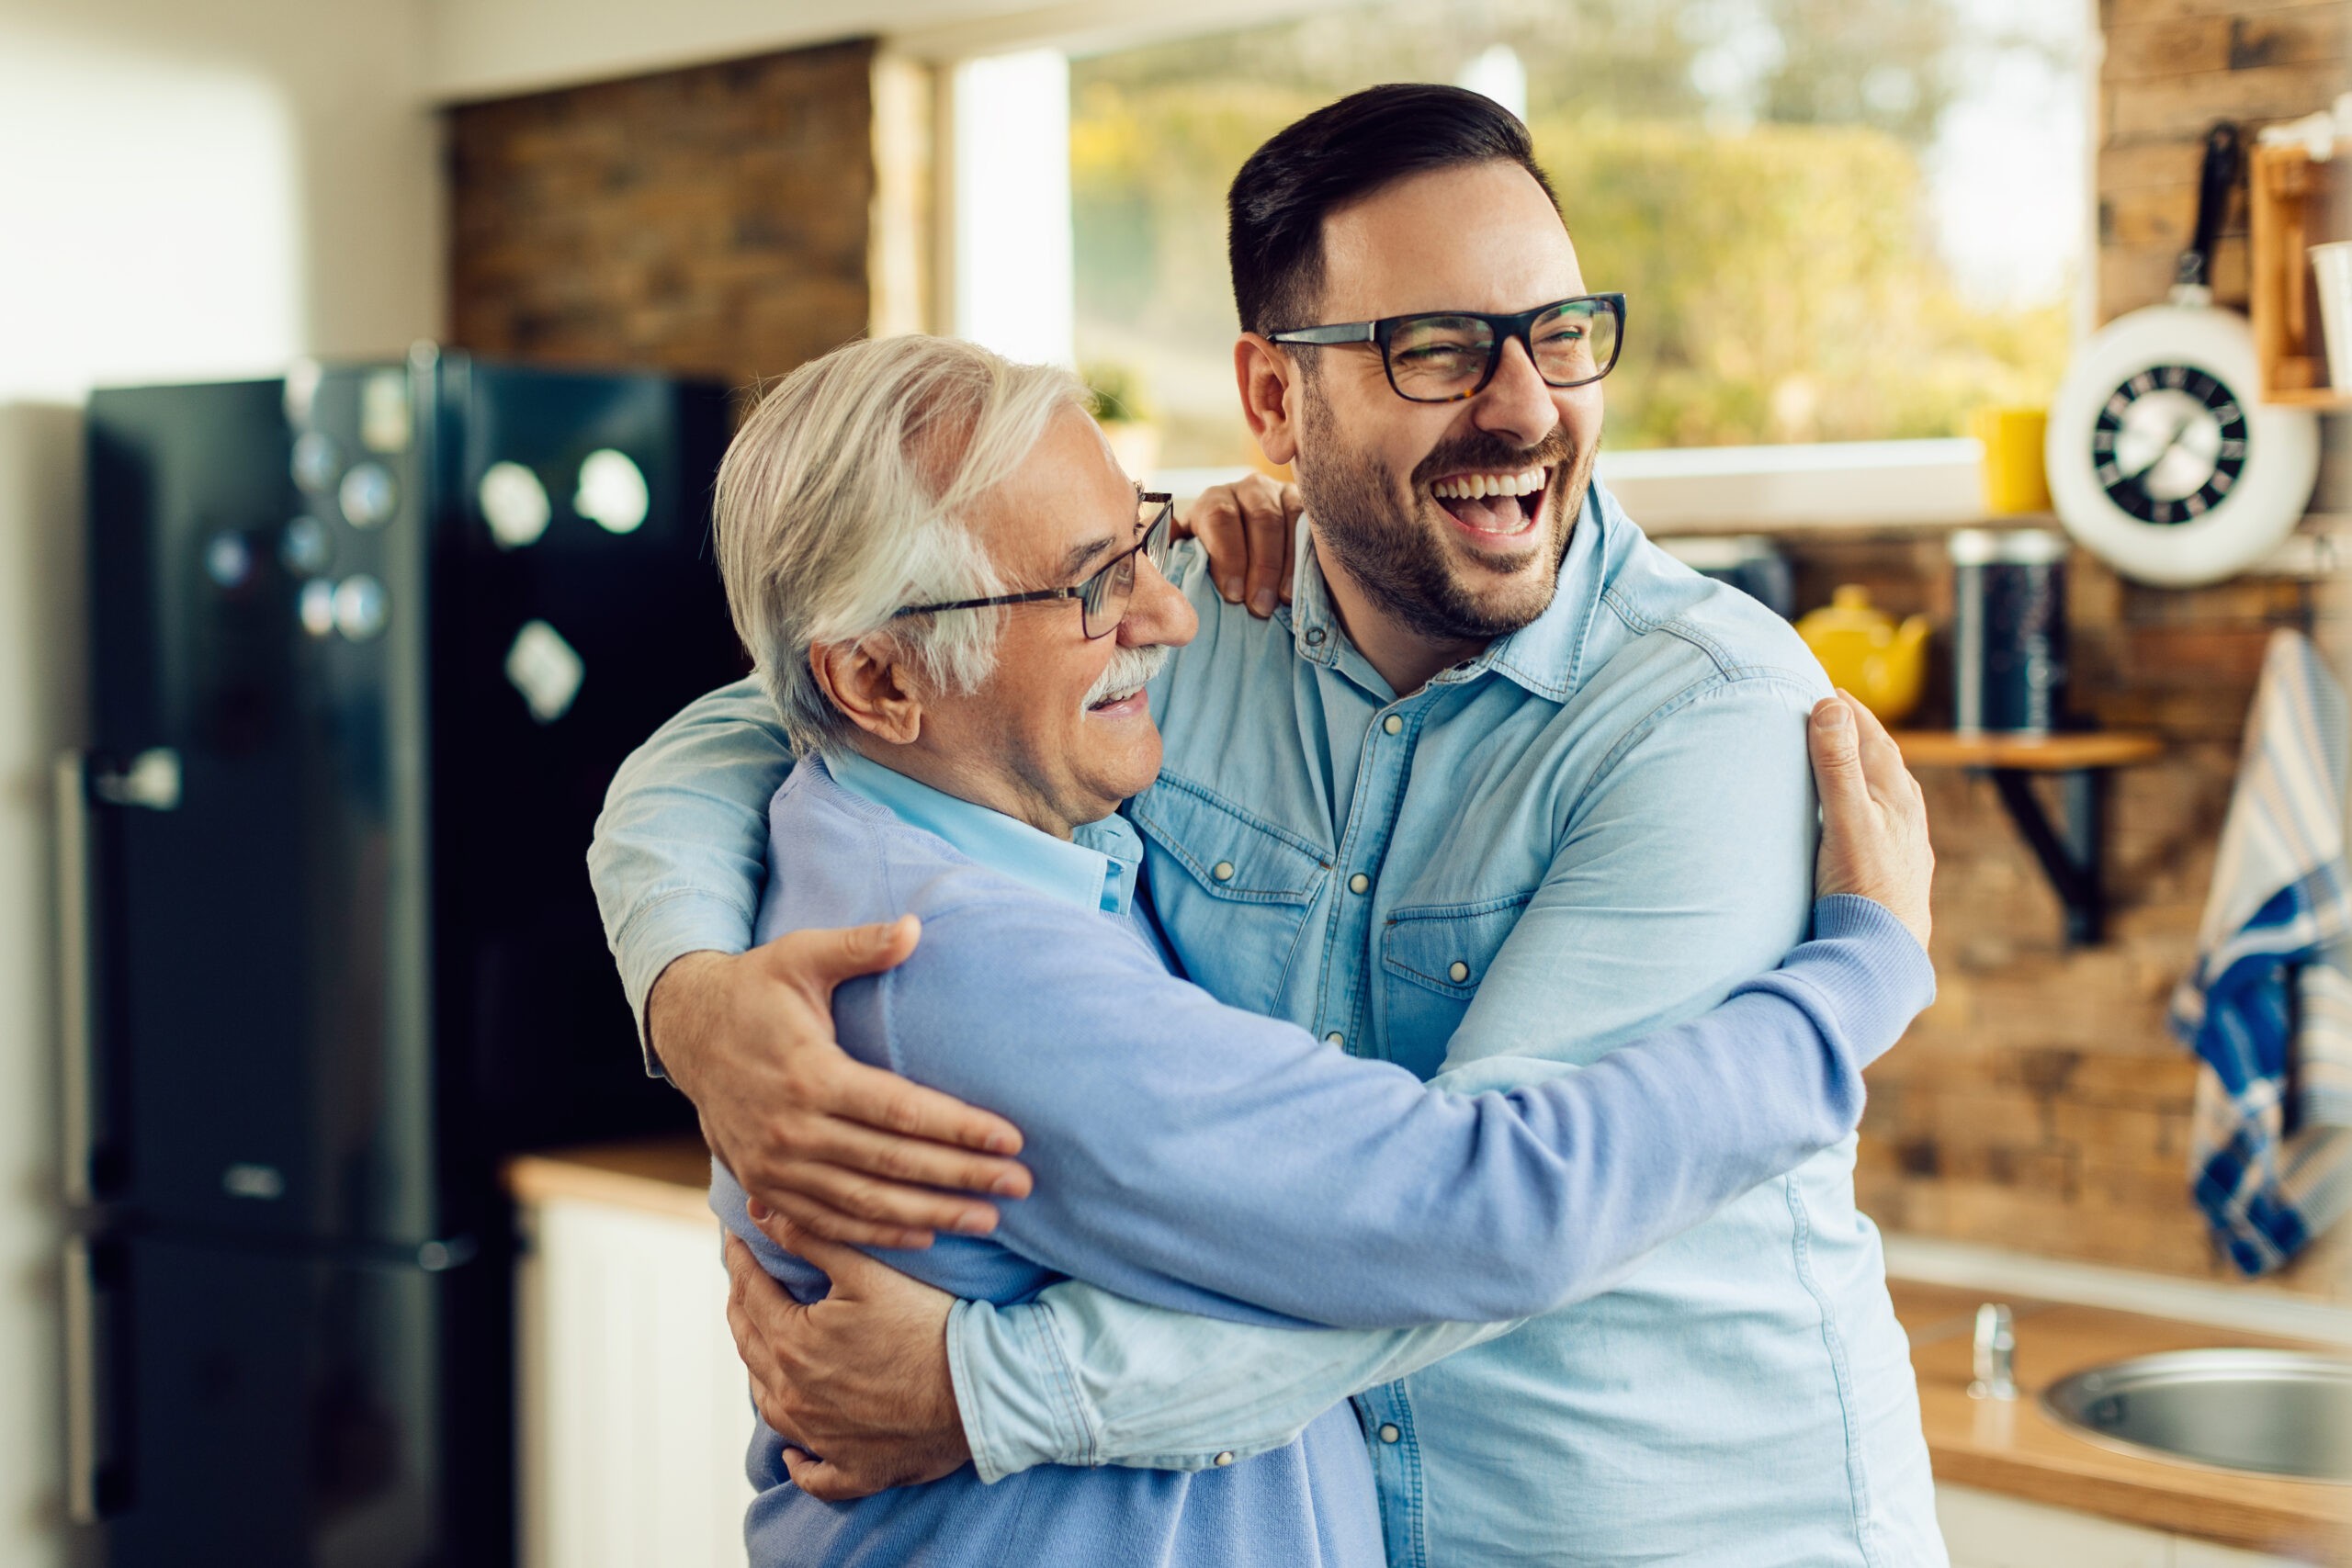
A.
x: 2156, y: 462
x: 2169, y: 444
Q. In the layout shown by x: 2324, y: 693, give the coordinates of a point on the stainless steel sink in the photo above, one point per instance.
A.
x: 2272, y: 1412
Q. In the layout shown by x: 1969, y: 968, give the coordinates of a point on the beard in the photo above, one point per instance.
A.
x: 1376, y: 529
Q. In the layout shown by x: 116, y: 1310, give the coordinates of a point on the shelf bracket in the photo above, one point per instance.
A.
x: 2072, y: 856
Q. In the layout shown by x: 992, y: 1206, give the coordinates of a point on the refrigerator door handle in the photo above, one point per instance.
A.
x: 81, y: 1386
x: 76, y: 991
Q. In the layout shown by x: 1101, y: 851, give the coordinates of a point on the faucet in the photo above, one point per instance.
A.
x: 1996, y: 1344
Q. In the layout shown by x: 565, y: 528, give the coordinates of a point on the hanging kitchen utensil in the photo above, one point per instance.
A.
x: 2163, y: 458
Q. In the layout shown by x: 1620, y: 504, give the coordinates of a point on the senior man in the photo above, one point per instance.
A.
x: 955, y: 603
x: 1503, y: 779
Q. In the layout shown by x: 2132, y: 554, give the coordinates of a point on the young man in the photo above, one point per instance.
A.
x: 955, y: 603
x: 1502, y: 780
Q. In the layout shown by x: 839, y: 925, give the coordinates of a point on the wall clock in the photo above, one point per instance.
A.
x: 2163, y: 459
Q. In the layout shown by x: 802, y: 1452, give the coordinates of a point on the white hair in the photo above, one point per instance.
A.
x: 843, y: 500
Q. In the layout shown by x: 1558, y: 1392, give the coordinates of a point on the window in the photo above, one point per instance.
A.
x: 1836, y: 220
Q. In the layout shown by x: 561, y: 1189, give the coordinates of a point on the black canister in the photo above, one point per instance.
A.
x: 1750, y: 562
x: 2009, y: 631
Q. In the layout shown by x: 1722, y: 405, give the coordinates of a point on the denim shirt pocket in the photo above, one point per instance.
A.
x: 1432, y: 958
x: 1232, y: 891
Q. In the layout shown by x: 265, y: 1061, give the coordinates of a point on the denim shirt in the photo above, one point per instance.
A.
x: 1600, y: 825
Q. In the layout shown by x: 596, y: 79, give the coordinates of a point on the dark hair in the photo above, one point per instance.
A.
x: 1341, y: 153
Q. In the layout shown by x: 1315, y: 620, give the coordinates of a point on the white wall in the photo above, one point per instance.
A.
x: 188, y: 192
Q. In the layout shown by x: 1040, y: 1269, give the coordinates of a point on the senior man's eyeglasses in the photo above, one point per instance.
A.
x: 1443, y: 356
x: 1103, y: 597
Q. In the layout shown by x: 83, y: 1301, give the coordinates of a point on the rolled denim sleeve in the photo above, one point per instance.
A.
x: 1083, y: 1376
x: 680, y: 846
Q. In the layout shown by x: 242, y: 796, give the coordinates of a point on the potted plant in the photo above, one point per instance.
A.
x: 1119, y: 408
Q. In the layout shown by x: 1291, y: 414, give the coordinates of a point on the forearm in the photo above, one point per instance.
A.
x: 1683, y: 1121
x: 679, y: 849
x: 1372, y: 1200
x: 1083, y: 1377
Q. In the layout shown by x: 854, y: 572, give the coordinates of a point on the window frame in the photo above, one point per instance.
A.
x: 1800, y: 487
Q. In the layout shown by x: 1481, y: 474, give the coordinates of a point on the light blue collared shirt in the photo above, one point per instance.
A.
x: 1600, y: 825
x: 1095, y: 869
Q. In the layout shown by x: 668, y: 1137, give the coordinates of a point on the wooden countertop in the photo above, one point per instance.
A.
x: 2011, y: 1447
x: 661, y: 1176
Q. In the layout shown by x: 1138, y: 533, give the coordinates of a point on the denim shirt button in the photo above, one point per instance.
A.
x: 1335, y: 1038
x: 1388, y: 1432
x: 1359, y: 883
x: 1459, y: 972
x: 1222, y: 871
x: 1391, y: 723
x: 1315, y: 636
x: 1224, y: 1458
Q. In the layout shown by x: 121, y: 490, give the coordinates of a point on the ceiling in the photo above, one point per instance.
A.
x: 478, y: 49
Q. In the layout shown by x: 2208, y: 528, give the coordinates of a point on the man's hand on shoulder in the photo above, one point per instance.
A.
x: 1873, y: 820
x: 1247, y: 528
x: 851, y: 1153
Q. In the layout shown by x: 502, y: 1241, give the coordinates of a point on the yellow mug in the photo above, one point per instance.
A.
x: 2015, y: 481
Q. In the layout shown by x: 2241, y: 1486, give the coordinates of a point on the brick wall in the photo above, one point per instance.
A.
x: 2041, y: 1104
x: 714, y: 219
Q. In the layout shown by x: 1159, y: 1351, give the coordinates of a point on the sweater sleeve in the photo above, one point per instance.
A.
x: 1200, y: 1156
x: 681, y: 846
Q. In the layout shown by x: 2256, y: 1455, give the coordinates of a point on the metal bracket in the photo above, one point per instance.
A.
x: 2073, y: 859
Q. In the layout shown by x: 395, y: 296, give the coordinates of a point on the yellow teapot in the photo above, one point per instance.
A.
x: 1868, y: 654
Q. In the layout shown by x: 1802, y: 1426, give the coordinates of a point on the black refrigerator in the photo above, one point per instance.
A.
x: 366, y: 644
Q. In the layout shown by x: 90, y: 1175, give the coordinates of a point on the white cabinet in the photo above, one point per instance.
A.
x: 634, y: 1413
x: 1986, y: 1530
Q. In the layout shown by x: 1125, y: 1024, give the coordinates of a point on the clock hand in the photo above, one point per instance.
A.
x: 2178, y: 430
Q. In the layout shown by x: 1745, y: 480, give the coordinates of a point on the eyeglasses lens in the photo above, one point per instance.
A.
x: 1114, y: 589
x: 1159, y: 518
x: 1576, y: 343
x: 1433, y: 358
x: 1107, y: 606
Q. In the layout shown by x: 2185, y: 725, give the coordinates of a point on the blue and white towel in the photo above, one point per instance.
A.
x: 2269, y: 1008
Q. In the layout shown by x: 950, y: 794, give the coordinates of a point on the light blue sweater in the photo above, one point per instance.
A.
x: 1220, y: 1162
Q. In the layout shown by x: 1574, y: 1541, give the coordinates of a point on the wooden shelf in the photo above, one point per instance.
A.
x: 2310, y: 398
x: 2028, y: 753
x: 2291, y: 204
x: 2073, y: 853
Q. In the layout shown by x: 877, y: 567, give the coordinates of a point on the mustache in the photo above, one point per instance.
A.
x: 1129, y: 667
x: 1493, y: 454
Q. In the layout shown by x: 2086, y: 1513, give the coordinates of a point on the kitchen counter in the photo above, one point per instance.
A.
x: 2008, y: 1448
x: 2013, y: 1446
x: 658, y: 1176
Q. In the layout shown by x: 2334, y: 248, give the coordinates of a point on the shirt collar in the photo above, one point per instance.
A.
x: 1544, y: 655
x: 1092, y: 873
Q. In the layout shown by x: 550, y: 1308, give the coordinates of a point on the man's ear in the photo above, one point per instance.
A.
x: 870, y: 683
x: 1267, y: 377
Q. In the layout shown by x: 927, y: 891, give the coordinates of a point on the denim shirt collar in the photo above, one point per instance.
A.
x: 1097, y: 871
x: 1544, y: 656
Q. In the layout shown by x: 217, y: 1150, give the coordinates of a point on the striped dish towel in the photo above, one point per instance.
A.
x: 2269, y: 1008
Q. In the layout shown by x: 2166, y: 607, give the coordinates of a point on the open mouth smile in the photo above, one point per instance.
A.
x: 1118, y: 705
x: 1494, y: 506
